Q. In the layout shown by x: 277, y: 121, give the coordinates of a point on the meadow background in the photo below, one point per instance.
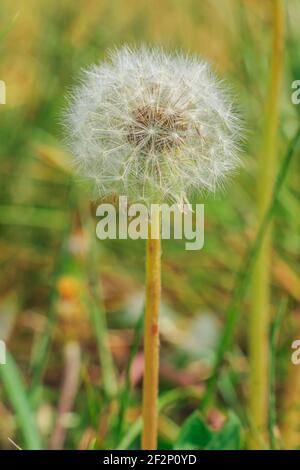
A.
x: 71, y: 306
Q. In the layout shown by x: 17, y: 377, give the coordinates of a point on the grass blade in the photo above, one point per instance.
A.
x: 17, y: 395
x: 105, y: 357
x: 272, y: 378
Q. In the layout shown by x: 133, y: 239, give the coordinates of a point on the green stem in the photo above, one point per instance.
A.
x: 260, y: 308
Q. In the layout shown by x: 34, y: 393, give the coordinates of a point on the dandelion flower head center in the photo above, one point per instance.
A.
x: 156, y: 129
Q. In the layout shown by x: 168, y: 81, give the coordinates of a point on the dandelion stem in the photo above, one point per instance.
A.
x: 260, y: 309
x: 151, y: 334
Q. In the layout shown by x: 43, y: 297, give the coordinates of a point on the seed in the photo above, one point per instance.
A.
x: 156, y: 129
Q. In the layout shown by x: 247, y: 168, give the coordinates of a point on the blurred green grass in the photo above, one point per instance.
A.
x: 46, y: 220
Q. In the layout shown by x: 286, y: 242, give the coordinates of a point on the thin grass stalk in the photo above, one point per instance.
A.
x: 151, y: 334
x: 272, y: 372
x: 69, y: 389
x: 96, y: 307
x: 12, y: 382
x: 124, y: 394
x: 260, y: 309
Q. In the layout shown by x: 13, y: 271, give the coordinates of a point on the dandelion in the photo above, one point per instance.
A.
x: 152, y: 126
x: 155, y: 127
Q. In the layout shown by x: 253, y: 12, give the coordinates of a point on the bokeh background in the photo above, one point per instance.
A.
x: 71, y: 306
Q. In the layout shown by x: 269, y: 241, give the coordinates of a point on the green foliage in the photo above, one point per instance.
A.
x: 197, y: 435
x: 15, y: 390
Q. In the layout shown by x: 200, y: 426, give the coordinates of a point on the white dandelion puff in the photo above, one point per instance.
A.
x: 153, y: 126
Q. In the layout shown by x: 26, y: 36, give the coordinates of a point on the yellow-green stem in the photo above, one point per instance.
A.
x: 151, y: 334
x: 260, y: 309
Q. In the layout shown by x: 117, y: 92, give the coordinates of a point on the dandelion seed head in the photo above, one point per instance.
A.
x: 152, y: 125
